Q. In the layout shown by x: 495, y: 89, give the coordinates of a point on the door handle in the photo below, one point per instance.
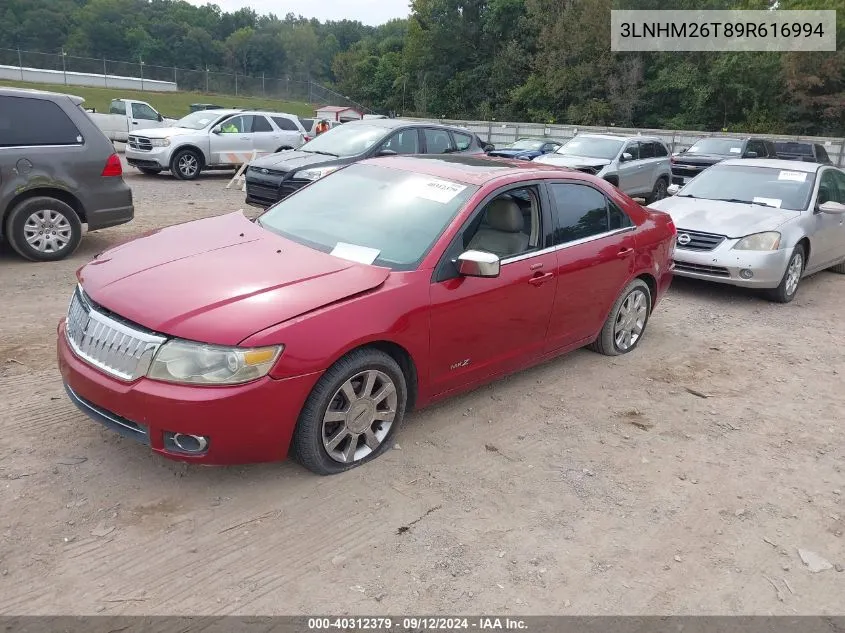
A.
x: 244, y: 138
x: 134, y: 123
x: 624, y: 252
x: 539, y: 280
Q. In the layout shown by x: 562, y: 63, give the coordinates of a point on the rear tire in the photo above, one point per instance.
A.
x: 44, y: 229
x: 658, y: 192
x: 788, y: 288
x: 627, y: 321
x: 352, y: 414
x: 186, y: 164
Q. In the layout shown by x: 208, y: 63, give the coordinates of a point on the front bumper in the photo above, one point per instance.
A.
x: 156, y: 158
x: 243, y: 423
x: 723, y: 265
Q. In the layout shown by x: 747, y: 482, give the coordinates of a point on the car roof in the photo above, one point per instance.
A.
x: 395, y: 123
x: 31, y: 92
x: 621, y: 137
x: 468, y: 169
x: 774, y: 163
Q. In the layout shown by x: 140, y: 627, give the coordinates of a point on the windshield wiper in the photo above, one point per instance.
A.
x: 315, y: 151
x: 686, y: 195
x: 738, y: 201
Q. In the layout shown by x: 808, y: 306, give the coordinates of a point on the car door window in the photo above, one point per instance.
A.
x: 144, y: 112
x: 237, y: 125
x: 462, y: 141
x: 437, y: 141
x: 286, y: 124
x: 633, y: 149
x: 756, y: 146
x: 117, y: 107
x: 828, y: 188
x: 582, y: 212
x: 646, y: 150
x: 261, y: 124
x: 28, y: 122
x: 821, y: 154
x: 660, y: 150
x: 508, y: 225
x: 839, y: 182
x: 404, y: 142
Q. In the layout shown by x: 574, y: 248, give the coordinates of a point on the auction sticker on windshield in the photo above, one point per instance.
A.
x: 795, y: 176
x: 355, y: 253
x: 433, y: 189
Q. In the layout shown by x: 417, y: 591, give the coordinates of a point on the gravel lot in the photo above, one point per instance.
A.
x: 587, y: 485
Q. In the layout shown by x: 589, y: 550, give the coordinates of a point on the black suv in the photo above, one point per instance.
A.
x: 274, y: 177
x: 807, y: 152
x: 707, y: 152
x: 58, y: 171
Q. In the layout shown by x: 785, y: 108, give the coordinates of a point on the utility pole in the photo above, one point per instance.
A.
x: 105, y: 74
x: 142, y: 72
x: 20, y: 62
x: 64, y: 69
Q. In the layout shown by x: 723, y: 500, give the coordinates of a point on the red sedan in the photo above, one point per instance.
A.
x: 381, y: 288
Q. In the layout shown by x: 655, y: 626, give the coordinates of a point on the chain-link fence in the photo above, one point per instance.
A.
x: 289, y: 88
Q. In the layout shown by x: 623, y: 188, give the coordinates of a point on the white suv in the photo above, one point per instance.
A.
x: 213, y: 139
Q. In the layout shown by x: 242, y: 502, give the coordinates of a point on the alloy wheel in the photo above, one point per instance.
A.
x: 630, y: 320
x: 793, y: 273
x: 47, y: 231
x: 359, y: 416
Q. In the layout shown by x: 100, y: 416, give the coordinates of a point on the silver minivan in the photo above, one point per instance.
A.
x: 637, y: 165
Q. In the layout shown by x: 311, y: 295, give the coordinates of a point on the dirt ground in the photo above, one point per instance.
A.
x: 588, y: 485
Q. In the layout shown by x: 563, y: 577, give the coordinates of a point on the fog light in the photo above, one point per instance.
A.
x: 746, y: 274
x: 184, y: 443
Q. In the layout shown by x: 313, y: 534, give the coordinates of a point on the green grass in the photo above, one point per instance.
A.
x: 171, y: 104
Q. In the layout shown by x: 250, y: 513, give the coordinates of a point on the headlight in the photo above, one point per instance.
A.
x: 200, y: 364
x: 315, y: 174
x: 768, y: 241
x: 160, y: 142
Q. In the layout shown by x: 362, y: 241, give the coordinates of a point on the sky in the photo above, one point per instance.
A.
x: 372, y: 12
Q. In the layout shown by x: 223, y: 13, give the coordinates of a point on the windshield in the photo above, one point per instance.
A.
x: 590, y: 147
x: 781, y: 188
x: 718, y: 146
x: 527, y: 143
x: 198, y: 120
x: 346, y: 140
x: 804, y: 149
x: 370, y: 214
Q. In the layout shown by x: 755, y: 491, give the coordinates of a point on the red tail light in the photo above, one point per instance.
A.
x: 113, y: 166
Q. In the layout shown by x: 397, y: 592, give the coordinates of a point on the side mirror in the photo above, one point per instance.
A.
x: 386, y: 152
x: 750, y: 155
x: 479, y: 264
x: 833, y: 208
x: 216, y: 130
x: 626, y: 156
x: 673, y: 189
x: 488, y: 147
x: 160, y: 118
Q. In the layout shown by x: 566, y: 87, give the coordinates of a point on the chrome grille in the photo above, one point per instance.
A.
x: 140, y: 143
x: 698, y: 241
x: 112, y: 346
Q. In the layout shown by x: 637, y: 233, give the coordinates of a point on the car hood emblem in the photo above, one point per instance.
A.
x: 684, y: 239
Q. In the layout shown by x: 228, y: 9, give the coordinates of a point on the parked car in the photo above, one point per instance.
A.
x: 272, y: 178
x: 526, y: 149
x: 388, y: 285
x: 126, y: 116
x: 213, y: 139
x: 57, y: 172
x: 638, y: 165
x: 760, y: 223
x: 199, y: 107
x: 809, y: 152
x: 707, y: 152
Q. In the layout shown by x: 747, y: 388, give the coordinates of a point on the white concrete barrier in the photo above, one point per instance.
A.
x: 58, y: 77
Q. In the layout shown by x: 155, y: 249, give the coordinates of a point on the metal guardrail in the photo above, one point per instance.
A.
x: 498, y: 133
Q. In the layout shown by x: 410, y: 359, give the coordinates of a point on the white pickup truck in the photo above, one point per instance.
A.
x: 127, y: 115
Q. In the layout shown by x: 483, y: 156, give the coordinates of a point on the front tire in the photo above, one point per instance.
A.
x: 44, y: 229
x: 186, y: 164
x: 626, y: 323
x: 352, y: 414
x: 788, y: 287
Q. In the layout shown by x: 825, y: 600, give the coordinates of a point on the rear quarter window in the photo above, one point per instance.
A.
x: 25, y: 121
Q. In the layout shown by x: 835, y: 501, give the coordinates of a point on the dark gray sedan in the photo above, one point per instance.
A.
x: 760, y: 224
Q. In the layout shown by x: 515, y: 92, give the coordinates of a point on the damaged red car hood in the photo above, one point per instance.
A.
x: 220, y: 280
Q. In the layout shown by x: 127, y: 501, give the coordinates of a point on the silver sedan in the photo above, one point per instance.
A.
x: 759, y: 224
